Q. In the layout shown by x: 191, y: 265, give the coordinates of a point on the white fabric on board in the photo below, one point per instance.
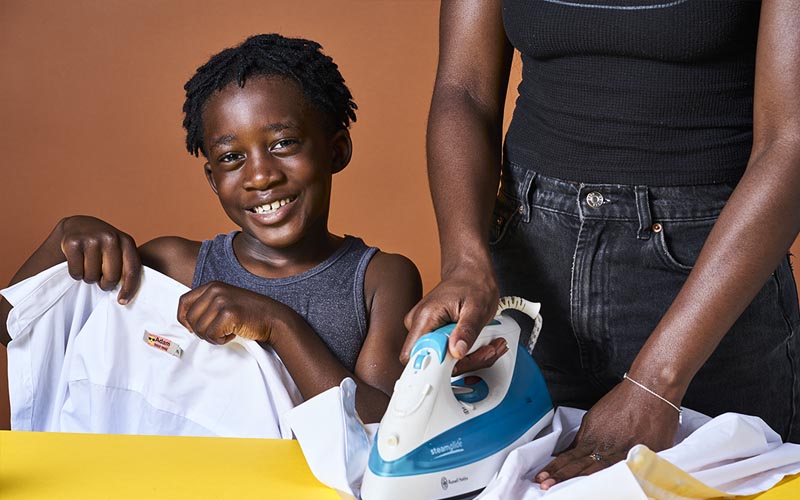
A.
x: 729, y: 455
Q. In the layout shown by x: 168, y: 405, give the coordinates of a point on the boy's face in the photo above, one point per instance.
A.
x: 270, y: 159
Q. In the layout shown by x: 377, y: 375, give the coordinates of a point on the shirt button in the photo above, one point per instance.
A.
x: 594, y: 199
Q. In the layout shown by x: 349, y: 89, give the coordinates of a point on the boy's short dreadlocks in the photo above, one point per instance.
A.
x: 269, y: 55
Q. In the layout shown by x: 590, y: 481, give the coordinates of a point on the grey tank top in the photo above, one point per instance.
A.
x: 330, y: 296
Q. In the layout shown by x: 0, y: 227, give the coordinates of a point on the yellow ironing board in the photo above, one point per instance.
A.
x: 38, y: 465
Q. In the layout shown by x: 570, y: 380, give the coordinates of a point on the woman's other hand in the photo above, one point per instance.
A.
x: 623, y: 418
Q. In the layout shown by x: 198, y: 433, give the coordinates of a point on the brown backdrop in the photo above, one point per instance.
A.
x: 90, y: 110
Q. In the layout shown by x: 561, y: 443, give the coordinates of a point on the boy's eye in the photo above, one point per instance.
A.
x: 229, y: 157
x: 283, y: 145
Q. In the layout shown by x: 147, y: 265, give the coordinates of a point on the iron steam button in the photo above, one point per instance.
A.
x: 422, y: 360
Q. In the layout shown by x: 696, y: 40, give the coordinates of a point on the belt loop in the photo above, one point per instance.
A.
x: 519, y: 179
x: 643, y: 210
x: 526, y: 197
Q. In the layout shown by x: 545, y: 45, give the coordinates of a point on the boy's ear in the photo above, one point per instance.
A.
x: 342, y: 148
x: 210, y: 177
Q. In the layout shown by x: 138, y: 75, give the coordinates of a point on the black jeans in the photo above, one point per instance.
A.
x: 606, y: 261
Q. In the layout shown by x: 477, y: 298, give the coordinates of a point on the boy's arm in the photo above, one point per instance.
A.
x: 95, y: 251
x: 217, y: 311
x: 392, y: 287
x: 172, y: 255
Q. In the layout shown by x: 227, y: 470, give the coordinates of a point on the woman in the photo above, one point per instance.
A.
x: 637, y: 122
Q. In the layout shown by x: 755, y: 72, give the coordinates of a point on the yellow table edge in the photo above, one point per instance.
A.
x: 101, y: 466
x: 55, y: 465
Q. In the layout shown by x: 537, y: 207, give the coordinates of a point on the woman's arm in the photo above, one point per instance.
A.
x: 753, y: 233
x: 464, y: 156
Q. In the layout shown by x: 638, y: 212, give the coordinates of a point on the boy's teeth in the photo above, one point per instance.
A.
x: 271, y: 207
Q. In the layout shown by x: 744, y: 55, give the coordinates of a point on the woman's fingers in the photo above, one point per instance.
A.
x: 470, y: 305
x: 482, y: 358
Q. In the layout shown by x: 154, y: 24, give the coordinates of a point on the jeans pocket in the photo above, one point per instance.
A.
x: 504, y: 217
x: 679, y: 243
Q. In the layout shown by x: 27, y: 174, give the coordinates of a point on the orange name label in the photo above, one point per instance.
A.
x: 163, y: 344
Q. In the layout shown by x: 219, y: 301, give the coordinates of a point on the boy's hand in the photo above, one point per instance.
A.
x: 216, y: 312
x: 97, y: 252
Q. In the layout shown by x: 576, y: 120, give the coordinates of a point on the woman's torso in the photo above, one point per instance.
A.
x: 634, y: 91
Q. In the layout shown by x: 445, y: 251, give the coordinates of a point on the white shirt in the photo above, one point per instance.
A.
x: 80, y: 362
x: 729, y: 455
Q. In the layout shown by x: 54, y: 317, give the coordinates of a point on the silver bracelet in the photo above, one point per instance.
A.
x: 680, y: 412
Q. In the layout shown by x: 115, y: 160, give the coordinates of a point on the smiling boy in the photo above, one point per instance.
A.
x: 271, y: 117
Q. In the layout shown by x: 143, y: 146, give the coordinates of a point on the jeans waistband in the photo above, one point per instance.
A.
x: 613, y: 201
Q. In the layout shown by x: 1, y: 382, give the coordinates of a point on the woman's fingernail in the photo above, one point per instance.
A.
x: 461, y: 349
x: 548, y: 483
x: 488, y: 354
x: 542, y: 476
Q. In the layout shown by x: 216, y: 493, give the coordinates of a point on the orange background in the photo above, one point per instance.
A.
x: 90, y: 110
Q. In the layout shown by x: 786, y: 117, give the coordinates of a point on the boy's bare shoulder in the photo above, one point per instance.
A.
x: 172, y: 255
x: 393, y: 276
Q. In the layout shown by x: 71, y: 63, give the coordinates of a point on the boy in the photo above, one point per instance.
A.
x: 271, y: 117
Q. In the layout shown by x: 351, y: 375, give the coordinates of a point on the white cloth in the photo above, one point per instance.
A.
x: 729, y: 455
x: 336, y: 447
x: 80, y: 362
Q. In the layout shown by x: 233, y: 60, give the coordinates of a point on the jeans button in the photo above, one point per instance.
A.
x: 594, y: 199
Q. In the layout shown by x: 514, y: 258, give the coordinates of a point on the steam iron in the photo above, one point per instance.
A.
x: 443, y: 437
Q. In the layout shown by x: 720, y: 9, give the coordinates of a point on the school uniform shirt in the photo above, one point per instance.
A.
x: 729, y: 455
x: 80, y: 362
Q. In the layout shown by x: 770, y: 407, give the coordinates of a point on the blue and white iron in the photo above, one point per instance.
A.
x: 443, y: 437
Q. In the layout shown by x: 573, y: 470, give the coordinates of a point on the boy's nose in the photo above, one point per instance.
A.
x: 261, y: 172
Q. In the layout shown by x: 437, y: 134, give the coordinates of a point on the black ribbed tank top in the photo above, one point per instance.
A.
x: 330, y: 296
x: 656, y: 92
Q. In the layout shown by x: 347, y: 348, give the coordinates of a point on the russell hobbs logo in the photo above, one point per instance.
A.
x: 445, y: 483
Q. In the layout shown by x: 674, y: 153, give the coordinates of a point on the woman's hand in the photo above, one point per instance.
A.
x: 216, y: 312
x: 97, y: 252
x: 623, y: 418
x: 467, y: 297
